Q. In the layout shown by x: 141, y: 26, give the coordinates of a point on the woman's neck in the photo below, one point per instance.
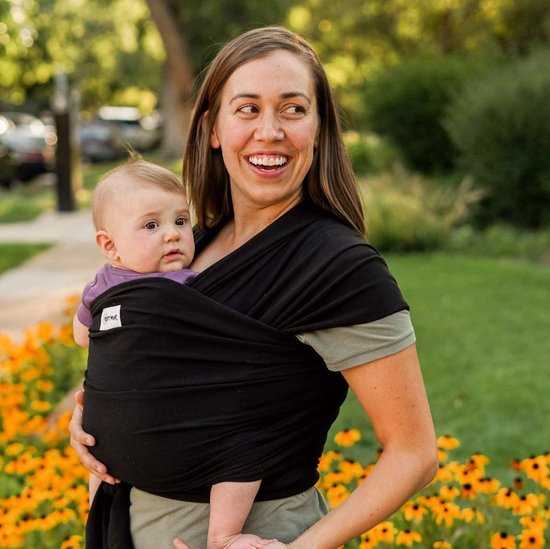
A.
x: 247, y: 222
x: 245, y: 225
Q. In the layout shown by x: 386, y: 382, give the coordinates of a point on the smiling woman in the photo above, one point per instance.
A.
x: 244, y: 368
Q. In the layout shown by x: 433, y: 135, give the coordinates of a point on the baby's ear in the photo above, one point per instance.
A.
x: 106, y: 244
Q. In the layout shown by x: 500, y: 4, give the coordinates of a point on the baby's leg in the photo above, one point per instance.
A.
x: 230, y: 503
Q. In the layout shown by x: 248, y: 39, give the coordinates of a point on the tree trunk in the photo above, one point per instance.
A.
x: 177, y: 94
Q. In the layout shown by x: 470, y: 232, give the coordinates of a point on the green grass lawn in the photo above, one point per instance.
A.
x: 12, y: 255
x: 483, y: 336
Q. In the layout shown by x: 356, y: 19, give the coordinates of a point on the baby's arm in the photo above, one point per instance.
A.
x: 230, y: 503
x: 80, y: 333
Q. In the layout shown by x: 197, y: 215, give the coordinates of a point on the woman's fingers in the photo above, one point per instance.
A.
x: 180, y: 544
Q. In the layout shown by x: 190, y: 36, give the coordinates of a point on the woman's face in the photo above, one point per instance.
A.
x: 267, y: 129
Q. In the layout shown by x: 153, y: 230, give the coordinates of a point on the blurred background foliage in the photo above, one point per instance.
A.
x: 432, y: 94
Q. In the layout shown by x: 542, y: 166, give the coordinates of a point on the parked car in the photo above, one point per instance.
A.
x: 29, y: 143
x: 100, y: 141
x: 141, y: 133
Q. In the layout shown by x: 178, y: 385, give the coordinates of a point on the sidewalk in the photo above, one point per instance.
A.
x: 38, y: 289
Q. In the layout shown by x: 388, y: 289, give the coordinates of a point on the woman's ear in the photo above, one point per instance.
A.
x: 214, y: 141
x: 106, y: 244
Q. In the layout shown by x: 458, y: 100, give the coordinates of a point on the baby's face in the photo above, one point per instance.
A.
x: 151, y: 230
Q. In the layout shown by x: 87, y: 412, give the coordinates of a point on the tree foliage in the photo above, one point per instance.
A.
x: 501, y: 126
x: 359, y: 39
x: 111, y: 51
x: 205, y: 25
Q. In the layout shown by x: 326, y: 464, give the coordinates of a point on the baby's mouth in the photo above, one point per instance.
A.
x: 268, y: 161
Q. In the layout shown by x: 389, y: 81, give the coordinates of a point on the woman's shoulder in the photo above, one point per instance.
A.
x: 332, y: 235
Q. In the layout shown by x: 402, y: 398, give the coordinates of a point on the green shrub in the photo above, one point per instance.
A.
x: 502, y: 241
x: 406, y: 212
x: 369, y: 153
x: 407, y: 105
x: 501, y: 125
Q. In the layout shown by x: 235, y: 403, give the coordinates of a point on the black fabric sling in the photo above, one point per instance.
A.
x: 206, y: 382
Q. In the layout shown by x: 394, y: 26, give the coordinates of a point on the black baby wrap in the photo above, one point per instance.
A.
x: 206, y: 382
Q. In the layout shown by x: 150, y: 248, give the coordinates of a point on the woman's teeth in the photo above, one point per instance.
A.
x: 268, y: 161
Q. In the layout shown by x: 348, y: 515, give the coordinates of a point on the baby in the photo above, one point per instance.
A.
x: 143, y: 228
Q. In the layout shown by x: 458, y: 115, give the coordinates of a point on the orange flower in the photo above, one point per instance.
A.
x: 531, y: 539
x: 446, y: 513
x: 516, y: 464
x: 347, y: 437
x: 444, y: 474
x: 385, y: 531
x: 448, y: 493
x: 535, y: 468
x: 518, y: 483
x: 469, y: 514
x: 468, y: 491
x: 502, y: 540
x: 337, y: 494
x: 351, y: 469
x: 447, y: 442
x: 526, y: 504
x: 506, y: 498
x: 368, y: 541
x: 488, y: 485
x: 408, y: 537
x: 440, y: 544
x: 533, y: 523
x: 413, y: 511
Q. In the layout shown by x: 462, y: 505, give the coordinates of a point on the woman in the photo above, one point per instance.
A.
x: 279, y: 242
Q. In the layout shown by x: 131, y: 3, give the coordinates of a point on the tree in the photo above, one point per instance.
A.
x: 191, y: 32
x: 111, y: 55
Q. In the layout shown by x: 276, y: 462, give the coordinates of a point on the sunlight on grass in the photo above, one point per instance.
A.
x: 13, y: 255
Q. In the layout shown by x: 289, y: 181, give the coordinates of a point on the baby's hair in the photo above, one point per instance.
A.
x: 134, y: 172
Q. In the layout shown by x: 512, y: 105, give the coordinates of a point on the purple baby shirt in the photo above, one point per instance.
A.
x: 109, y: 276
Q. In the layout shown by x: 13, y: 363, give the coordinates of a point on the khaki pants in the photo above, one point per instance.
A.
x: 156, y: 521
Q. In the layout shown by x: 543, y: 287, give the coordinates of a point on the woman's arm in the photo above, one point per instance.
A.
x: 80, y: 440
x: 392, y: 393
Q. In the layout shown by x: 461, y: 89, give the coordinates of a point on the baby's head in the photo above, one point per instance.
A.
x: 142, y: 219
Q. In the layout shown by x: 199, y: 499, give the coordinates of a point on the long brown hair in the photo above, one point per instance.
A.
x: 330, y: 182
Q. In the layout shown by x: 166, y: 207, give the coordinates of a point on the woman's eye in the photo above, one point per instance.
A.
x: 295, y: 109
x: 151, y: 225
x: 181, y: 221
x: 248, y: 109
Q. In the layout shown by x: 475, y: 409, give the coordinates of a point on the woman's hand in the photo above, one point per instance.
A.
x: 80, y: 440
x: 268, y: 544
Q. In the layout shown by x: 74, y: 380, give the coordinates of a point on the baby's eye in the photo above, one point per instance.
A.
x: 181, y: 221
x: 151, y: 225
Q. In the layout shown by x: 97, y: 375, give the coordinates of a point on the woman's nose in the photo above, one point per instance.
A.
x: 269, y: 128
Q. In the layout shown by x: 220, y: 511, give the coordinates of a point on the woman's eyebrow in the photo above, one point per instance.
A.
x: 286, y: 95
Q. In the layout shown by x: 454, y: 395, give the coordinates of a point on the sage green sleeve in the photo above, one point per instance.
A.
x: 349, y: 346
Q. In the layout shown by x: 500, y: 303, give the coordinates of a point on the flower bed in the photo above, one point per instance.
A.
x: 43, y: 487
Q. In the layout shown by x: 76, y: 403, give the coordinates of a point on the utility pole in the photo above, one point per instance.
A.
x: 63, y: 159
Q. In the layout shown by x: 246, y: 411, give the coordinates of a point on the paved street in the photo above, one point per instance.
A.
x: 38, y: 289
